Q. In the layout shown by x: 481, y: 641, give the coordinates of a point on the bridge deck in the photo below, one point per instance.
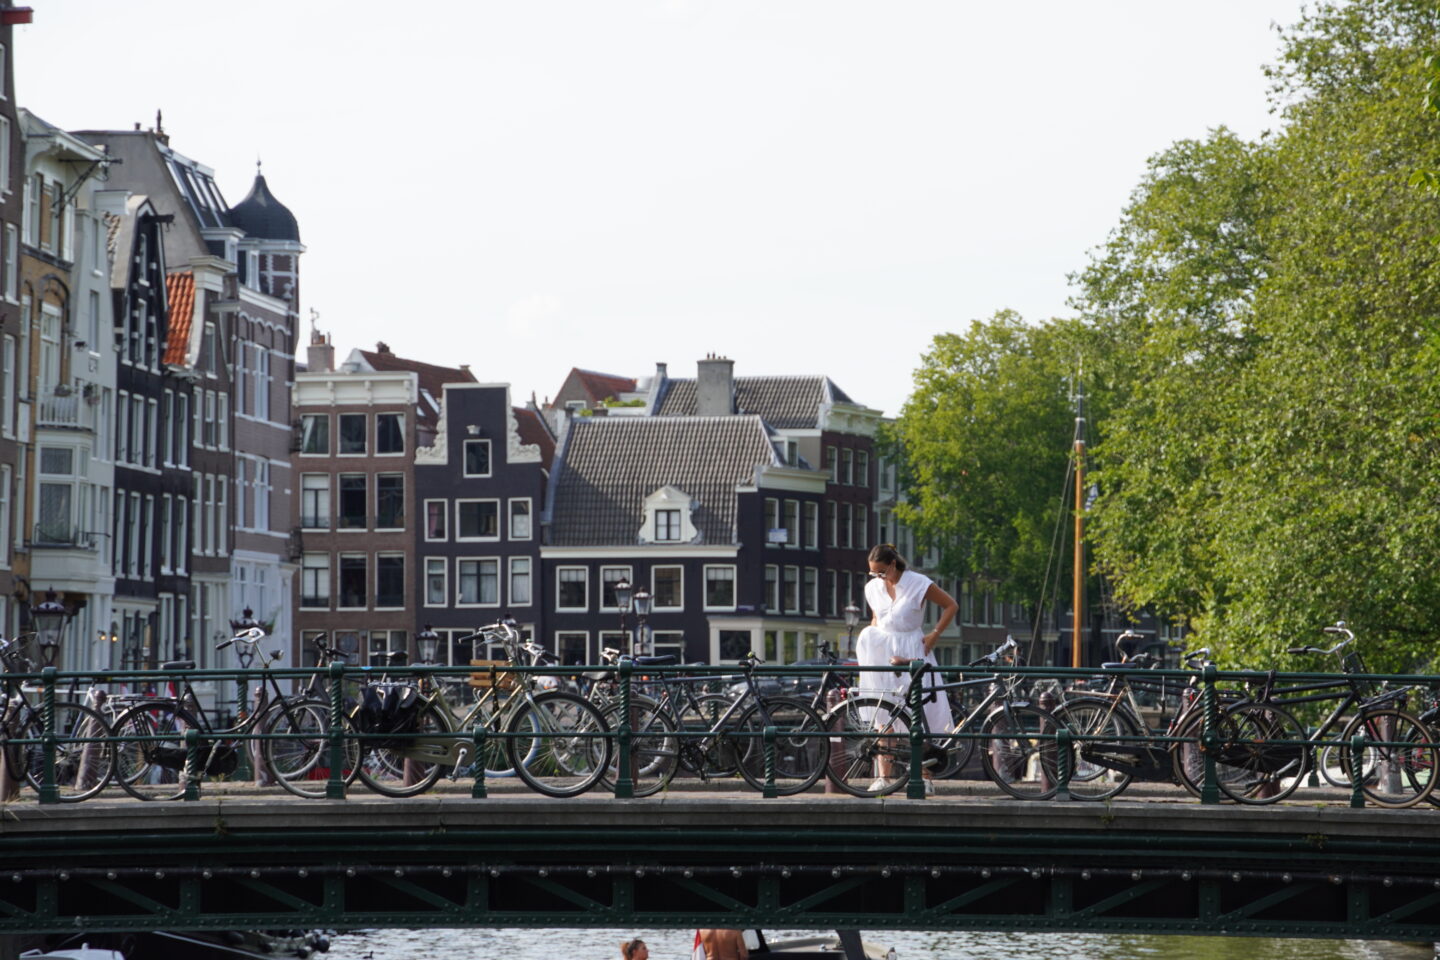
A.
x: 242, y: 859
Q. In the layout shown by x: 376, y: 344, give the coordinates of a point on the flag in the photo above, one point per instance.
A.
x: 698, y: 953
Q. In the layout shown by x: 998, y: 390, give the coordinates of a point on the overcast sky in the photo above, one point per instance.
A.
x: 805, y: 187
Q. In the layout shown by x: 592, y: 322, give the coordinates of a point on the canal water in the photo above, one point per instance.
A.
x: 604, y: 944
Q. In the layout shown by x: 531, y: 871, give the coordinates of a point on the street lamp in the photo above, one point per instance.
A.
x: 427, y: 644
x: 49, y: 617
x: 852, y: 620
x: 624, y: 597
x: 642, y: 610
x: 244, y: 652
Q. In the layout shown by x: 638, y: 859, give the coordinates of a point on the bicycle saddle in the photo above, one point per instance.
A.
x: 660, y: 660
x: 178, y: 665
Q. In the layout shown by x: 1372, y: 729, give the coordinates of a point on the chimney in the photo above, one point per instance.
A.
x: 715, y: 387
x: 320, y: 355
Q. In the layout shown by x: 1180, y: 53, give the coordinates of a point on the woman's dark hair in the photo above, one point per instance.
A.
x: 887, y: 554
x: 628, y: 947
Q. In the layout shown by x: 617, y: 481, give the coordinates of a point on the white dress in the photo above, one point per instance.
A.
x: 898, y: 631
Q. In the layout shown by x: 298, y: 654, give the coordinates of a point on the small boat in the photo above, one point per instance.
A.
x: 171, y: 945
x: 83, y: 952
x: 844, y: 945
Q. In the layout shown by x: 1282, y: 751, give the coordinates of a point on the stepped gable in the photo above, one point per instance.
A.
x: 785, y: 403
x: 180, y: 295
x: 260, y: 215
x: 611, y: 464
x: 531, y: 427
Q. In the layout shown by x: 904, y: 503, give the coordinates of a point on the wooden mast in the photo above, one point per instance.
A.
x: 1078, y: 598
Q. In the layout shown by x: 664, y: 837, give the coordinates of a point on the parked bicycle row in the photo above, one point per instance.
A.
x: 632, y: 725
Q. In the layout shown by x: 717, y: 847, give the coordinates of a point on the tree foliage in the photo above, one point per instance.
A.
x: 1263, y: 326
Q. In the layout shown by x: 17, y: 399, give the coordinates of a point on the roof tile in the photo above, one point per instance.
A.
x: 180, y: 292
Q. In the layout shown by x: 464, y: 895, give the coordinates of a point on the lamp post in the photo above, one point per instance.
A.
x: 427, y: 644
x: 624, y: 597
x: 49, y: 617
x: 852, y: 620
x: 642, y: 610
x: 244, y: 655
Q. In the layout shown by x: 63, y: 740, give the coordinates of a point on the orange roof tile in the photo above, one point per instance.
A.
x: 180, y: 291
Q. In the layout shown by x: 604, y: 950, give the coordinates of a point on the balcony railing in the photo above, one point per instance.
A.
x: 65, y: 537
x: 63, y: 407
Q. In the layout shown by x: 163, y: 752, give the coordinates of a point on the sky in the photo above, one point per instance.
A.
x: 804, y: 186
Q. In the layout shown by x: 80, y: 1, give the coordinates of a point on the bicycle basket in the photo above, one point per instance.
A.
x: 386, y: 708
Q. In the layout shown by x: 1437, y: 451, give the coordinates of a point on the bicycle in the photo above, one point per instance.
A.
x: 556, y: 741
x: 713, y: 736
x: 84, y: 757
x: 152, y: 756
x: 1020, y: 754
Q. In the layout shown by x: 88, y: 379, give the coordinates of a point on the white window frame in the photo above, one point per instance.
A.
x: 529, y: 574
x: 511, y: 504
x: 811, y: 525
x: 627, y: 573
x: 498, y: 593
x: 339, y: 417
x: 339, y: 593
x: 655, y: 597
x: 489, y: 459
x: 705, y: 597
x: 392, y: 453
x: 444, y: 516
x: 329, y: 568
x: 489, y: 539
x: 442, y: 566
x: 584, y: 580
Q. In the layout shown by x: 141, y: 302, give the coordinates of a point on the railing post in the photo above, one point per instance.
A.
x: 477, y: 790
x: 49, y: 791
x: 915, y: 788
x: 624, y: 783
x: 1357, y: 771
x: 1063, y: 761
x: 770, y: 793
x: 1210, y: 735
x: 192, y: 764
x: 335, y: 786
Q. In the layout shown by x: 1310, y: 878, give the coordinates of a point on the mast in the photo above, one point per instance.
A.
x: 1078, y: 598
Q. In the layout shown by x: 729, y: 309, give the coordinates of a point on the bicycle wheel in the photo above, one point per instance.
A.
x: 1100, y: 764
x: 1330, y: 756
x: 654, y: 748
x: 873, y: 758
x: 719, y: 757
x: 1020, y: 751
x: 801, y: 752
x: 1187, y: 757
x: 1396, y: 769
x: 1263, y: 756
x: 150, y: 753
x: 558, y: 732
x: 81, y: 769
x: 298, y: 757
x: 409, y: 766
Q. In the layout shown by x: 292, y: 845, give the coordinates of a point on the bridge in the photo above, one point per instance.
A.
x: 699, y: 859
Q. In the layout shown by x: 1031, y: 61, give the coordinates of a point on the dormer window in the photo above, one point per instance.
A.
x: 668, y: 517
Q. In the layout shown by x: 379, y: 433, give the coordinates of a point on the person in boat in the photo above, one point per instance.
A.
x: 634, y: 950
x: 724, y: 945
x: 897, y: 596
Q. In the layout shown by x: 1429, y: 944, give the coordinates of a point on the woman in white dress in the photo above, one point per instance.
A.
x: 897, y: 597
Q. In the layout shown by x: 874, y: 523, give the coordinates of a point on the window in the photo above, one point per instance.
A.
x: 477, y: 519
x: 222, y: 419
x: 390, y: 580
x: 847, y: 467
x: 792, y: 523
x: 353, y: 497
x: 772, y: 521
x: 572, y: 646
x: 315, y: 580
x: 811, y: 525
x: 352, y: 434
x: 862, y: 526
x: 4, y: 141
x: 477, y: 458
x: 435, y: 511
x: 667, y: 587
x: 314, y: 433
x: 12, y: 263
x: 832, y: 464
x: 862, y: 467
x: 846, y: 536
x: 208, y: 423
x: 163, y: 532
x: 389, y: 433
x: 519, y: 581
x: 772, y: 588
x: 810, y: 591
x: 437, y: 587
x: 832, y: 595
x: 182, y: 423
x: 520, y: 518
x: 262, y: 495
x: 354, y: 581
x: 5, y: 476
x: 53, y: 525
x: 790, y: 590
x: 609, y: 576
x: 668, y: 642
x: 571, y: 587
x: 389, y: 501
x: 315, y: 501
x: 720, y: 588
x: 478, y: 581
x: 667, y: 524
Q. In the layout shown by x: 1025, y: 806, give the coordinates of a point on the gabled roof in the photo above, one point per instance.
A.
x: 784, y: 402
x: 432, y: 377
x: 593, y: 386
x: 531, y: 427
x: 180, y: 291
x: 611, y: 464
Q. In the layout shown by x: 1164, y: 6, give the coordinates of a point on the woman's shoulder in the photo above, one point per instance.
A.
x: 919, y: 580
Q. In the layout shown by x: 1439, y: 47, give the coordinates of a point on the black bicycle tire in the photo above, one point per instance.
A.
x: 721, y: 758
x: 102, y: 752
x: 856, y: 773
x: 280, y: 713
x: 389, y: 755
x: 1089, y: 735
x: 656, y: 775
x: 139, y: 717
x: 1250, y: 742
x: 809, y: 750
x: 580, y: 745
x: 1420, y: 733
x: 1045, y: 727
